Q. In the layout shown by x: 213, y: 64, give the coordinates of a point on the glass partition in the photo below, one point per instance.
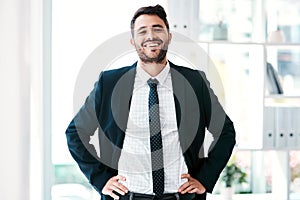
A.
x: 226, y: 20
x: 284, y: 62
x: 284, y: 16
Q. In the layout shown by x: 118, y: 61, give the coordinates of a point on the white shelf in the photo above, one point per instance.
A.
x: 264, y: 196
x: 282, y: 101
x: 278, y: 96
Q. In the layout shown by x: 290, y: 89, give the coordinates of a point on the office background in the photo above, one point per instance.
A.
x: 254, y: 45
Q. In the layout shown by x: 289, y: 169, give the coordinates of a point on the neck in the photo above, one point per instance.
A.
x: 153, y: 69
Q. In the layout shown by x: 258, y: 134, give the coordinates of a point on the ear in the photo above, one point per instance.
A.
x: 170, y: 37
x: 131, y: 41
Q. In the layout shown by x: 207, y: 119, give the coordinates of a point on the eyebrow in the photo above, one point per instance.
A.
x: 153, y: 26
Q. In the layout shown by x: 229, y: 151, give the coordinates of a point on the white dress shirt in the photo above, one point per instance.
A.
x: 135, y: 159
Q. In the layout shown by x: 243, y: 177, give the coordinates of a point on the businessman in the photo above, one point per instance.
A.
x: 151, y: 119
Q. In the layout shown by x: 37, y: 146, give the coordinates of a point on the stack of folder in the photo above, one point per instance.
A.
x: 281, y: 128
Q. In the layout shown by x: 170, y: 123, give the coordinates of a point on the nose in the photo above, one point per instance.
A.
x: 150, y: 34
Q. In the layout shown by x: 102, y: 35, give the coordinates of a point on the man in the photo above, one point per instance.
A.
x: 151, y: 119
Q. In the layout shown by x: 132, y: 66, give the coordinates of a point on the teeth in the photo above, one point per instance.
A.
x: 151, y: 45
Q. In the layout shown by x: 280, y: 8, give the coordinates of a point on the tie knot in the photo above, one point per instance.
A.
x: 152, y: 82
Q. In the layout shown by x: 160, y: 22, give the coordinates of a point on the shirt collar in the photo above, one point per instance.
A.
x: 161, y: 77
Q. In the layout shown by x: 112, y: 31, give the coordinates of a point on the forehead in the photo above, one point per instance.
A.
x: 148, y: 21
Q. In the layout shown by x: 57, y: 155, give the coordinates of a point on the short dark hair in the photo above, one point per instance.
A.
x: 157, y: 10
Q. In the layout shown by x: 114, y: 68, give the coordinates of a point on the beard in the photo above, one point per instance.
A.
x: 156, y: 59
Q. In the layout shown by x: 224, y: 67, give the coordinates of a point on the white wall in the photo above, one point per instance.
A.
x: 14, y: 101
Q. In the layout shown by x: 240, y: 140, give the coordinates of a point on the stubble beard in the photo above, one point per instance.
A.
x: 158, y: 59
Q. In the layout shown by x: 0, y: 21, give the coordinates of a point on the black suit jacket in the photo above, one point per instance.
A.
x: 107, y: 108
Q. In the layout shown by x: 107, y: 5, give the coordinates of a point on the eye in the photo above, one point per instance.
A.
x: 141, y: 32
x: 158, y: 29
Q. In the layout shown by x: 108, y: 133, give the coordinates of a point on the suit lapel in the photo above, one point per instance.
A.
x: 178, y: 92
x: 179, y: 99
x: 186, y: 105
x: 121, y: 98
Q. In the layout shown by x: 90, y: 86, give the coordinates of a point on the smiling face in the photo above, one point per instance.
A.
x: 151, y: 38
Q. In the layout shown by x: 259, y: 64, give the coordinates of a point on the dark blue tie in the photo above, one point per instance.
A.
x: 155, y: 140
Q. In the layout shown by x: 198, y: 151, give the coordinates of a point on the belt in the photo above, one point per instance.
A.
x: 171, y: 196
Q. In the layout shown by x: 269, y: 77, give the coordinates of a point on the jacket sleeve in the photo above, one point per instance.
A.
x: 223, y: 132
x: 84, y: 125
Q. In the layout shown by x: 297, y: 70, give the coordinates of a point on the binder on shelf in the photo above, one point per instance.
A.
x: 281, y: 127
x: 269, y: 128
x: 291, y: 119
